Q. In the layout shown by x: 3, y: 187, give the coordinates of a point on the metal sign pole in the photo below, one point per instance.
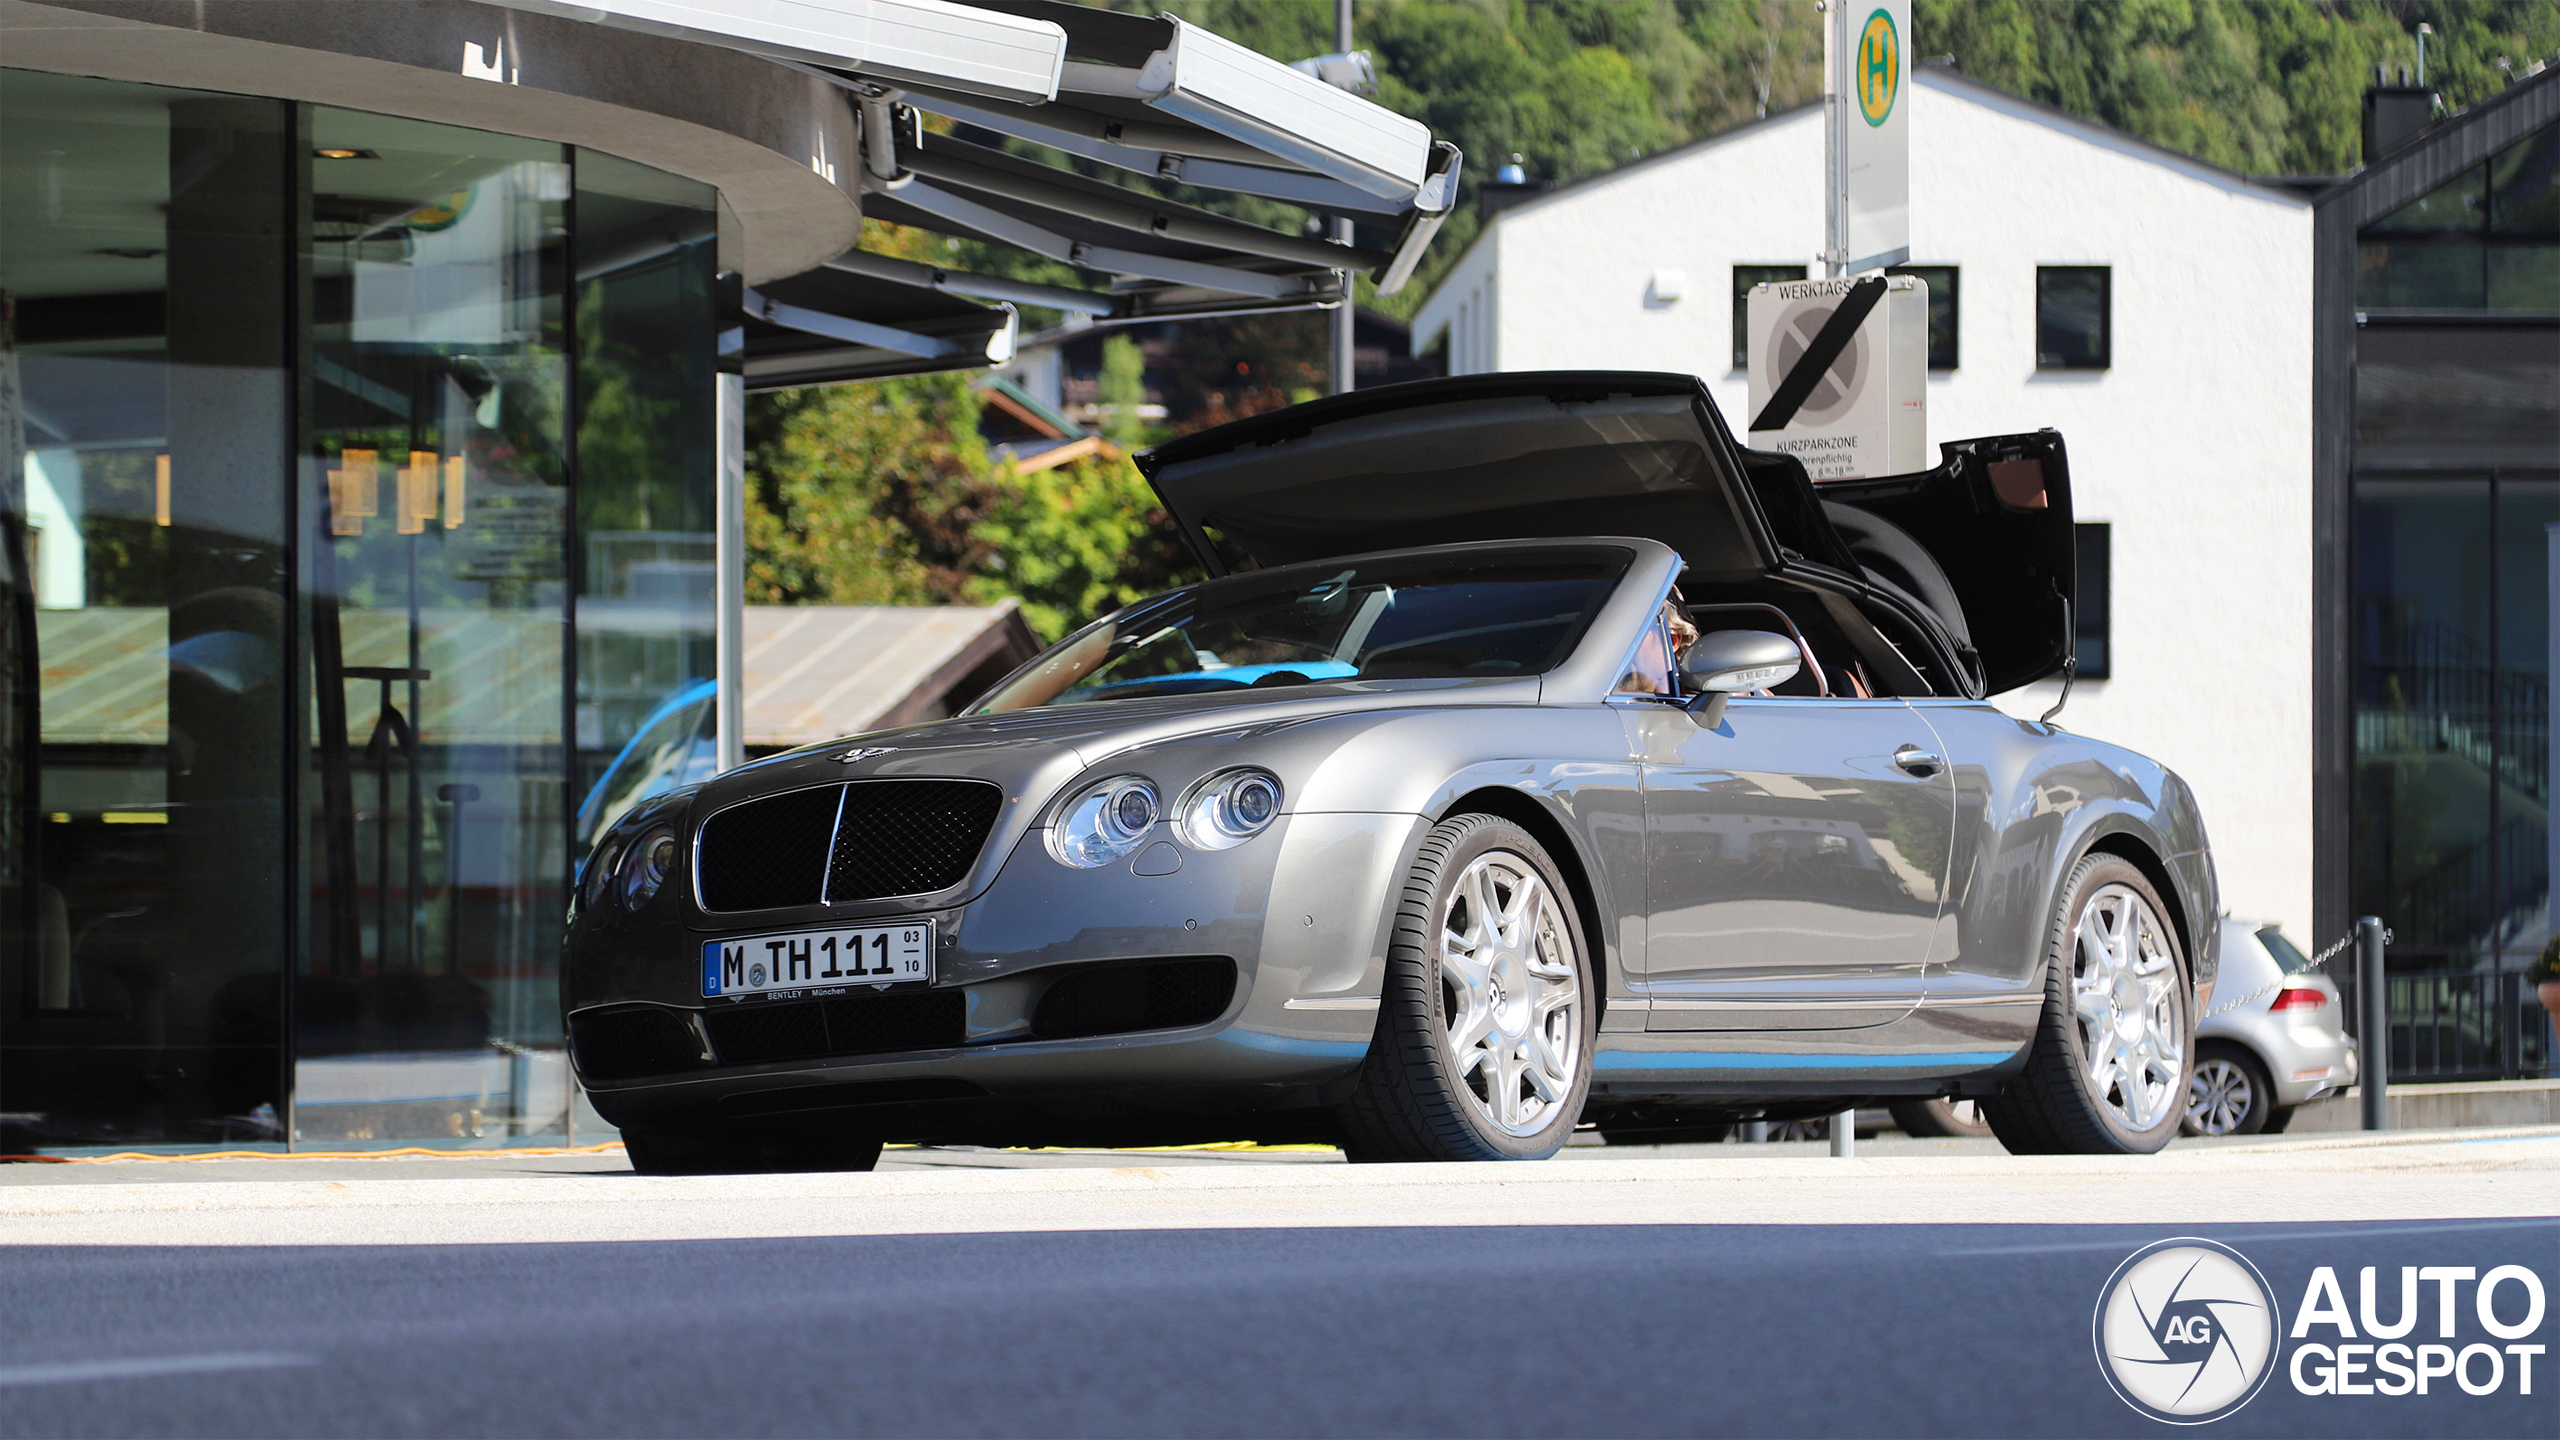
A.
x: 1346, y: 317
x: 1835, y: 112
x: 2373, y: 1042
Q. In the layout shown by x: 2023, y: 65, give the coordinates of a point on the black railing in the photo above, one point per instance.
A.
x: 2428, y: 688
x: 2466, y: 1025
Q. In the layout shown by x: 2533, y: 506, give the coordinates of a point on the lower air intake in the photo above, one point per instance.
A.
x: 1121, y: 998
x: 630, y: 1044
x: 869, y: 1024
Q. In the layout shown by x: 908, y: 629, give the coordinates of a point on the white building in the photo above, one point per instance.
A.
x: 2189, y: 418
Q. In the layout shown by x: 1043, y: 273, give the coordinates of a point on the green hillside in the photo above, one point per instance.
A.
x: 1579, y: 86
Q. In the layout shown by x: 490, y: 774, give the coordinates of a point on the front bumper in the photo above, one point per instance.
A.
x: 1302, y: 912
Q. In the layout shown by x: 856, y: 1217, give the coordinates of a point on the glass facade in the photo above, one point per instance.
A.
x: 2488, y: 239
x: 2456, y: 488
x: 329, y: 435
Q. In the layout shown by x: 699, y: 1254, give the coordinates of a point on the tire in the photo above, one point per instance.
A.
x: 659, y: 1152
x: 2231, y: 1093
x: 1941, y: 1117
x: 2277, y: 1119
x: 1483, y: 1045
x: 2116, y: 994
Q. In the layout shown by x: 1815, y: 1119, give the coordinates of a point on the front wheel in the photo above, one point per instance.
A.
x: 1483, y: 1045
x: 2108, y: 1071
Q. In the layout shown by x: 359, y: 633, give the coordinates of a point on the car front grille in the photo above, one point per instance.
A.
x: 909, y: 837
x: 889, y: 838
x: 1118, y: 999
x: 631, y: 1044
x: 765, y: 1032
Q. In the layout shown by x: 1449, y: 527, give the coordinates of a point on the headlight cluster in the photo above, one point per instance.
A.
x: 1225, y: 811
x: 1113, y: 818
x: 633, y: 869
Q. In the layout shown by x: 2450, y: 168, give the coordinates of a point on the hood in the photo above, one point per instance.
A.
x: 1032, y: 753
x: 1968, y: 562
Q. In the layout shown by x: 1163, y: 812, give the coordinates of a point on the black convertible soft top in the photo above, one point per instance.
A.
x: 1971, y: 561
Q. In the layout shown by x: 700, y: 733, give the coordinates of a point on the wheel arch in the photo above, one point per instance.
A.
x: 1525, y: 811
x: 2142, y: 856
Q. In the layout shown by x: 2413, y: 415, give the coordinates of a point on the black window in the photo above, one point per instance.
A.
x: 1744, y: 277
x: 2074, y: 326
x: 2089, y: 612
x: 1942, y: 310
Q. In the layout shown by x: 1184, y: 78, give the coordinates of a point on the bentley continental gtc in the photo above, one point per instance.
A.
x: 1534, y: 757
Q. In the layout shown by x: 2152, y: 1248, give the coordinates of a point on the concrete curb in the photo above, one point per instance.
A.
x: 2440, y: 1107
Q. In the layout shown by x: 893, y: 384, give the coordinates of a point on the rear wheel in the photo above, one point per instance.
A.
x: 1483, y: 1045
x: 666, y: 1152
x: 2108, y: 1071
x: 2231, y: 1094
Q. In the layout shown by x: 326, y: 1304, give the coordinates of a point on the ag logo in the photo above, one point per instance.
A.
x: 850, y: 756
x: 1879, y: 76
x: 2185, y: 1331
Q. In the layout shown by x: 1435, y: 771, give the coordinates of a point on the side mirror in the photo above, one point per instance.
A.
x: 1717, y: 665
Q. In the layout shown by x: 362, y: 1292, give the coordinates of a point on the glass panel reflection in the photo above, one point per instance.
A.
x: 2426, y: 710
x: 2489, y: 238
x: 437, y: 583
x: 647, y: 256
x: 2452, y: 716
x: 142, y: 675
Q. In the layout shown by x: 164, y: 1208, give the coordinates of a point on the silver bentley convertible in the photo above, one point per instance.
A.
x: 1536, y: 757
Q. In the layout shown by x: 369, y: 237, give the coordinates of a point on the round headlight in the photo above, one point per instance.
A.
x: 599, y: 876
x: 1106, y: 822
x: 646, y: 866
x: 1228, y: 809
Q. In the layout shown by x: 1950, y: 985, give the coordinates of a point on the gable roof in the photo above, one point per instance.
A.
x: 1937, y: 77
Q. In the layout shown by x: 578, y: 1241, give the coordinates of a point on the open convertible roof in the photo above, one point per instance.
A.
x: 1967, y: 568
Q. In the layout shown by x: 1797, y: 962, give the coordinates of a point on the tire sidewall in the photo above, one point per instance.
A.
x: 2092, y: 875
x: 1483, y: 839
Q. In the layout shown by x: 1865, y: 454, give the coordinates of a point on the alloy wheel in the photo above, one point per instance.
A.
x: 2220, y: 1097
x: 1511, y: 993
x: 2125, y: 994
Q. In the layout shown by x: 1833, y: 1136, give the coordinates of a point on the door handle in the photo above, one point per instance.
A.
x: 1917, y: 761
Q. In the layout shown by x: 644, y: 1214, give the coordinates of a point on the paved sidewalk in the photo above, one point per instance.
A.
x: 2466, y: 1174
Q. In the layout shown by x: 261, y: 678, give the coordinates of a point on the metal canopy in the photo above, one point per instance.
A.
x: 1147, y: 96
x: 1152, y: 97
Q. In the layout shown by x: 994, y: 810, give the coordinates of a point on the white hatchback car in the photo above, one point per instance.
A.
x: 2257, y: 1062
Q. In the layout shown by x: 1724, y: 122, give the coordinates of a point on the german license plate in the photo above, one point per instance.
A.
x: 805, y: 960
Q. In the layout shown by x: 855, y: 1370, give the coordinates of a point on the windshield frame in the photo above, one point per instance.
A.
x: 1617, y: 559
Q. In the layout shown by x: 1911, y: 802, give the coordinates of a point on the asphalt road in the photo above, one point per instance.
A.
x: 1591, y: 1296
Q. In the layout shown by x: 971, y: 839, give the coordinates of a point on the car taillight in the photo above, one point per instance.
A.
x: 2298, y: 997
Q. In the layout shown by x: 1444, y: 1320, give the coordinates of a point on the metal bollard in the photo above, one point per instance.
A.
x: 1844, y: 1134
x: 2373, y: 1041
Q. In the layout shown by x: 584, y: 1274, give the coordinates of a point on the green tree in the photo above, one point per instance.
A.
x: 883, y: 494
x: 1122, y: 390
x: 1079, y: 541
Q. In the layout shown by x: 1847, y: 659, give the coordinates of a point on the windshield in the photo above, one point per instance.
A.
x: 1510, y: 613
